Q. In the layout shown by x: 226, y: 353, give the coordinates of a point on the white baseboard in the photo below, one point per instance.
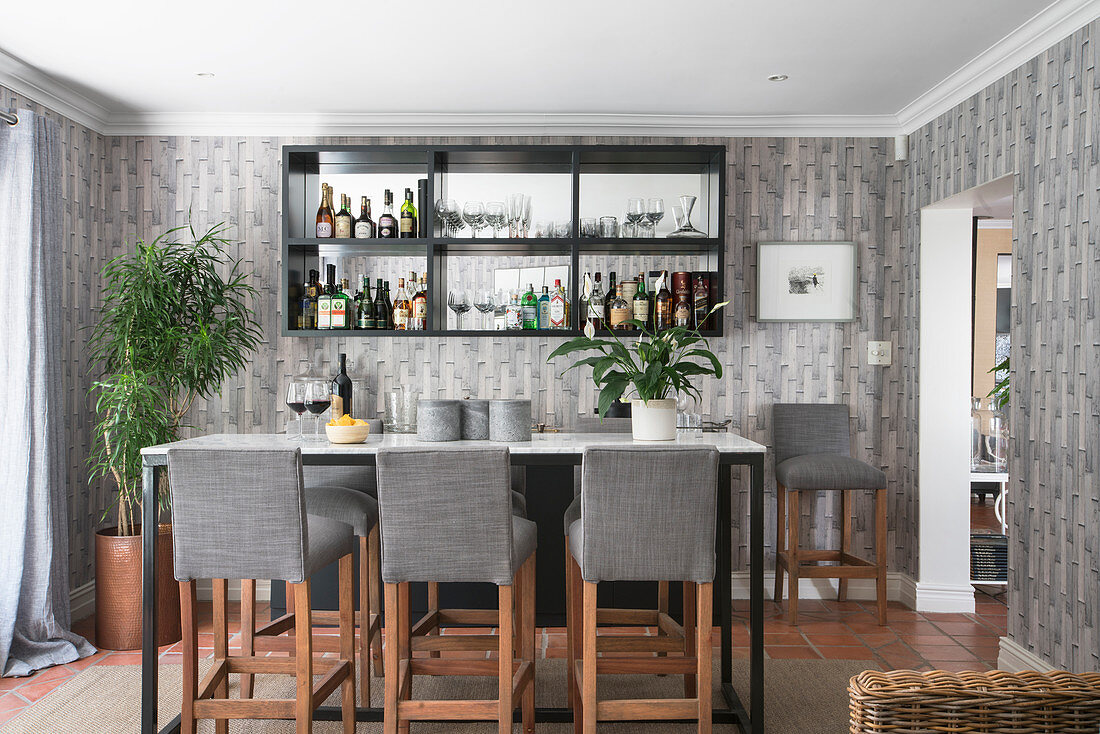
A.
x: 1014, y: 658
x: 944, y: 598
x: 82, y: 601
x: 899, y: 587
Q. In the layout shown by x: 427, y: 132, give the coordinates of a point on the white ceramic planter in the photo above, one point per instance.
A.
x: 653, y: 421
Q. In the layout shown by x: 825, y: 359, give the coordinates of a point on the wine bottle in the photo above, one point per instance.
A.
x: 408, y: 216
x: 662, y: 311
x: 325, y: 218
x: 341, y: 390
x: 544, y: 308
x: 381, y: 312
x: 641, y: 302
x: 401, y: 307
x: 596, y: 304
x: 530, y: 308
x: 388, y: 304
x: 344, y: 220
x: 620, y: 311
x: 611, y: 292
x: 387, y: 225
x: 364, y: 314
x: 364, y: 226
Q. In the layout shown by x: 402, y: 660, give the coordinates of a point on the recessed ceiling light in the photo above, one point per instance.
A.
x: 778, y: 78
x: 205, y: 74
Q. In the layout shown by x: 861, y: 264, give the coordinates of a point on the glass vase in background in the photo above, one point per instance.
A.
x: 996, y: 439
x: 400, y: 415
x: 975, y: 434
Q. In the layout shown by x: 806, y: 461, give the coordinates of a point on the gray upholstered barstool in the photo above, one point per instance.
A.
x: 812, y: 454
x: 446, y: 516
x: 647, y: 513
x: 241, y: 514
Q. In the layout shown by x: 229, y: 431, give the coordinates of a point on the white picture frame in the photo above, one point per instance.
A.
x: 806, y: 281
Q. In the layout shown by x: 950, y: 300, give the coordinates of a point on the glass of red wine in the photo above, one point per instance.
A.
x: 296, y: 401
x: 318, y: 398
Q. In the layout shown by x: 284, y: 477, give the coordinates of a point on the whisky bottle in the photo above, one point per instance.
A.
x: 408, y: 216
x: 544, y: 309
x: 420, y: 305
x: 364, y: 226
x: 641, y: 302
x: 344, y: 221
x: 682, y: 309
x: 620, y: 311
x: 530, y: 308
x: 325, y: 219
x: 387, y: 225
x: 401, y: 307
x: 701, y: 299
x: 559, y: 307
x: 662, y: 307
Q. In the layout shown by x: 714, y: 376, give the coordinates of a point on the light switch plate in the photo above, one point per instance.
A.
x: 879, y: 353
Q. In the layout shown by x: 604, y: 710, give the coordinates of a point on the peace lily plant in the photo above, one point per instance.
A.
x: 656, y: 367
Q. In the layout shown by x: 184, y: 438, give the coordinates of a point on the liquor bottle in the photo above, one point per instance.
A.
x: 641, y: 302
x: 420, y: 306
x: 339, y: 307
x: 345, y: 222
x: 559, y: 307
x: 682, y: 309
x: 611, y: 284
x: 544, y: 309
x: 583, y: 301
x: 341, y: 390
x: 364, y: 225
x: 389, y: 306
x: 596, y: 304
x: 662, y: 308
x: 402, y: 308
x: 387, y: 225
x: 324, y: 301
x: 701, y: 298
x: 408, y: 216
x: 303, y: 307
x: 620, y: 311
x: 513, y: 314
x: 364, y: 316
x: 530, y: 308
x: 325, y: 218
x: 381, y: 311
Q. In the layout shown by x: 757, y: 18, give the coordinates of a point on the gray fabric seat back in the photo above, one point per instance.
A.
x: 649, y: 514
x: 238, y: 514
x: 359, y: 478
x: 445, y: 515
x: 804, y: 428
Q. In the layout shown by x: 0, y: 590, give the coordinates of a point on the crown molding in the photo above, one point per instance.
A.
x: 37, y: 86
x: 1048, y: 27
x: 304, y: 124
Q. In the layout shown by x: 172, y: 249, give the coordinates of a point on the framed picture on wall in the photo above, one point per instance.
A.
x: 806, y: 281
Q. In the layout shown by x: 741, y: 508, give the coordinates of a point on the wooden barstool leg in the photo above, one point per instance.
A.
x: 365, y: 609
x: 845, y: 539
x: 880, y: 552
x: 288, y: 596
x: 190, y: 656
x: 433, y: 606
x: 780, y: 544
x: 505, y: 602
x: 221, y: 644
x: 690, y: 635
x: 389, y: 711
x: 374, y: 583
x: 248, y: 632
x: 303, y: 659
x: 527, y: 652
x: 794, y: 516
x: 347, y: 643
x: 404, y: 653
x: 662, y: 608
x: 570, y: 629
x: 703, y: 654
x: 588, y: 664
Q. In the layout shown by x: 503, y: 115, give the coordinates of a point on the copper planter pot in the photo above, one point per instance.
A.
x: 118, y: 590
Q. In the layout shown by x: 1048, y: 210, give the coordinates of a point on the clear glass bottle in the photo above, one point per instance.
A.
x: 620, y: 310
x: 595, y: 304
x: 996, y: 439
x: 544, y: 308
x: 513, y: 314
x: 975, y: 434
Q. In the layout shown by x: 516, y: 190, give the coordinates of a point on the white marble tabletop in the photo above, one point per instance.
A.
x: 540, y: 443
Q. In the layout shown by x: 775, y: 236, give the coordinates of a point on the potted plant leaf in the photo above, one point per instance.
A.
x: 176, y: 322
x: 655, y: 368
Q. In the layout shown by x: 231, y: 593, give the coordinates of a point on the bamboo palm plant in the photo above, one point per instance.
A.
x: 177, y: 321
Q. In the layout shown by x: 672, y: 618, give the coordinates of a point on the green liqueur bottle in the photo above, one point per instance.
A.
x: 530, y: 308
x: 408, y: 216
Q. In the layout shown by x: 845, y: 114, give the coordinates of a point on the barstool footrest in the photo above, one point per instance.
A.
x: 647, y: 709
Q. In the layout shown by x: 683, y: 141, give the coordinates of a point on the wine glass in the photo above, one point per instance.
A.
x: 500, y: 307
x: 296, y: 401
x: 318, y: 398
x: 441, y: 215
x: 484, y: 302
x: 496, y: 216
x: 635, y: 210
x: 453, y: 216
x: 473, y: 213
x: 655, y: 210
x: 458, y: 302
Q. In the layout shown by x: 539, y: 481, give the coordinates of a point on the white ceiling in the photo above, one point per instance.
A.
x: 613, y: 65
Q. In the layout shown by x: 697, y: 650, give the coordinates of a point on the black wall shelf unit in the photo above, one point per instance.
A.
x: 580, y: 168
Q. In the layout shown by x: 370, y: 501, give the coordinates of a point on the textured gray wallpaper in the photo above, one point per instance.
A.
x: 1039, y: 122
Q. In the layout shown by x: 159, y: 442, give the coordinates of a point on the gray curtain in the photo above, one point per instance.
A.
x: 34, y: 548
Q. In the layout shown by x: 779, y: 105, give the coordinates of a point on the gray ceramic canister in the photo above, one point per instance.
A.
x: 475, y: 420
x: 509, y: 420
x: 438, y: 420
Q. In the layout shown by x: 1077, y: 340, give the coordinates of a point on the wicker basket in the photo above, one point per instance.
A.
x: 906, y: 701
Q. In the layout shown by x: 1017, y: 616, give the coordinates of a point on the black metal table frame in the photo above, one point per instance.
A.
x: 750, y: 721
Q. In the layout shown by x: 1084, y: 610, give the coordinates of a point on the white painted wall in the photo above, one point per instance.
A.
x: 944, y: 413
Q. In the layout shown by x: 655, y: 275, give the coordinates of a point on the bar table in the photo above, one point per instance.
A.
x: 551, y: 449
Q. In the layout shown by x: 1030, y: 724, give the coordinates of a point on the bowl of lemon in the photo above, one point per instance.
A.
x: 346, y: 429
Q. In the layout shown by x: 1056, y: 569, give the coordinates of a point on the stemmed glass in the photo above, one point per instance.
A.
x: 296, y: 401
x: 450, y: 220
x: 655, y: 211
x: 473, y: 213
x: 635, y: 212
x: 318, y: 398
x: 496, y: 216
x: 500, y: 308
x: 458, y: 302
x: 519, y: 212
x: 483, y: 302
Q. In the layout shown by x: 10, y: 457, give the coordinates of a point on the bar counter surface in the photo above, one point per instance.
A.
x: 544, y: 449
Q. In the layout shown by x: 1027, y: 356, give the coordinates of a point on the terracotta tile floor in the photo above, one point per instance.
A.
x: 826, y: 629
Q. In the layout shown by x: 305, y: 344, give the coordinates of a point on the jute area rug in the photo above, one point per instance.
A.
x: 801, y: 696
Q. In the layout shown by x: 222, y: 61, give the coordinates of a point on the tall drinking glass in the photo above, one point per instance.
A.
x: 318, y: 398
x: 296, y: 401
